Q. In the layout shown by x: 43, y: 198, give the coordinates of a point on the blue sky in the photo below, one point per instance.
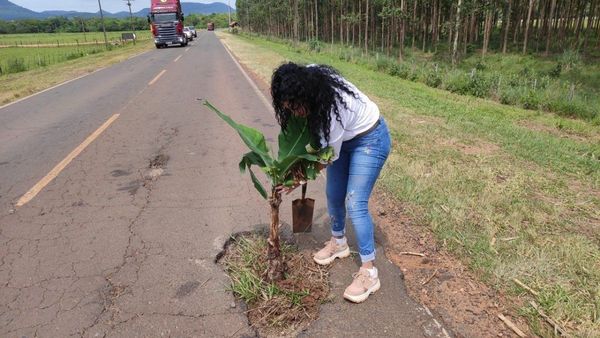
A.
x: 92, y: 5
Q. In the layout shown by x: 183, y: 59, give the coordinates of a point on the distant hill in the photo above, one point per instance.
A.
x: 11, y: 11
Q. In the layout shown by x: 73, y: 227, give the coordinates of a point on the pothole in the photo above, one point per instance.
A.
x: 282, y: 308
x: 159, y: 161
x: 156, y: 167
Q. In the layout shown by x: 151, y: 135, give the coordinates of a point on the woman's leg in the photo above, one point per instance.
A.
x: 337, y: 180
x: 367, y: 156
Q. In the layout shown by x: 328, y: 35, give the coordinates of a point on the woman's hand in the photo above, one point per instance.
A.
x: 287, y: 190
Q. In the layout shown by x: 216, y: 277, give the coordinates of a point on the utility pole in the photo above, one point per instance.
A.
x: 103, y: 27
x: 131, y: 19
x: 229, y: 10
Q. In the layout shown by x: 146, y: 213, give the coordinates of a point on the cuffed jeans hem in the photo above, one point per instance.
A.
x: 338, y: 233
x: 367, y: 258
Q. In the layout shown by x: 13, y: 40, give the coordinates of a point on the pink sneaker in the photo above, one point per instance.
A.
x: 331, y: 251
x: 362, y: 286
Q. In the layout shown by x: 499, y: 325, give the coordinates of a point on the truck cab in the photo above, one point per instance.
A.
x: 166, y: 23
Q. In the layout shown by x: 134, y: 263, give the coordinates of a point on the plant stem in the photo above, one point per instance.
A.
x: 276, y: 267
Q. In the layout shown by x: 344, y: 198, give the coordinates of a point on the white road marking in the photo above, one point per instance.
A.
x: 157, y: 77
x: 263, y: 98
x: 53, y: 87
x: 63, y: 164
x: 177, y: 59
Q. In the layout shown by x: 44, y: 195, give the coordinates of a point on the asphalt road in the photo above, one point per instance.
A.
x: 111, y: 238
x: 120, y: 240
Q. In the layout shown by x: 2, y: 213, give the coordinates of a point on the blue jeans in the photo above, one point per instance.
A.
x: 350, y: 181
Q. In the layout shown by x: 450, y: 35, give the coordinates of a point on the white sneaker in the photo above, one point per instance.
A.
x: 331, y: 251
x: 362, y: 286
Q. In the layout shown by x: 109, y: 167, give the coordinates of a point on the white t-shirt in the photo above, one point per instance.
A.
x: 361, y: 114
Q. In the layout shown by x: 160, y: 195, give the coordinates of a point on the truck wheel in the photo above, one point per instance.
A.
x: 158, y: 46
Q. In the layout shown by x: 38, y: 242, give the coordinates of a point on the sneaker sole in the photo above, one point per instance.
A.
x: 342, y: 254
x: 362, y: 297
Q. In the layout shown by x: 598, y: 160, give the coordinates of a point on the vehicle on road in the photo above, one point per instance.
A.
x: 193, y: 29
x: 188, y: 33
x: 166, y: 23
x: 210, y: 26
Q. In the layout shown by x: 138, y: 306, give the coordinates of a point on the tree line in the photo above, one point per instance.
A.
x: 452, y: 26
x: 75, y: 24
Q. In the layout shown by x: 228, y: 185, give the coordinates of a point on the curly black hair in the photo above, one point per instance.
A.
x: 316, y: 88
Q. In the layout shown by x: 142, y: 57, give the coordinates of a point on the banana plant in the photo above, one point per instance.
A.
x: 297, y: 160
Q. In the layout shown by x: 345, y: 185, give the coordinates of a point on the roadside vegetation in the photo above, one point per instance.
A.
x: 23, y: 52
x: 66, y: 39
x: 275, y: 308
x: 564, y: 84
x: 26, y: 71
x: 540, y: 54
x: 515, y: 193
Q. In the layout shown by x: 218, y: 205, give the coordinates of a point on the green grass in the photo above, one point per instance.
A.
x: 42, y: 50
x: 57, y: 39
x: 16, y: 59
x: 514, y: 193
x: 28, y: 76
x: 565, y: 84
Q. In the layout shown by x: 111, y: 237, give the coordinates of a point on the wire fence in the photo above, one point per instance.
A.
x: 16, y: 59
x: 64, y: 39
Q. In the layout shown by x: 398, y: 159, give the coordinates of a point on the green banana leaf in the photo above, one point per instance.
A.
x: 247, y: 161
x: 254, y: 139
x: 295, y: 152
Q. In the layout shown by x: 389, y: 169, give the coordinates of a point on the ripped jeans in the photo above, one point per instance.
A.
x: 350, y: 181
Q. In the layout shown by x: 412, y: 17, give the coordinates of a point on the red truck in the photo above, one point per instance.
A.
x: 166, y: 23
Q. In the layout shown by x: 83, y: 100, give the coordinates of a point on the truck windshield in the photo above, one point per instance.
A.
x: 164, y: 17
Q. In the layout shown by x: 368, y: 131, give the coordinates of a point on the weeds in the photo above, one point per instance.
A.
x: 286, y: 304
x: 16, y: 66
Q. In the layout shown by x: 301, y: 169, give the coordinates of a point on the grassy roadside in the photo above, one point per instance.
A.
x: 281, y: 308
x: 515, y: 193
x: 18, y: 85
x: 65, y: 38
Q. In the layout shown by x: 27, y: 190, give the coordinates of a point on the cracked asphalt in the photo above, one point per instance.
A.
x: 122, y: 242
x: 117, y: 246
